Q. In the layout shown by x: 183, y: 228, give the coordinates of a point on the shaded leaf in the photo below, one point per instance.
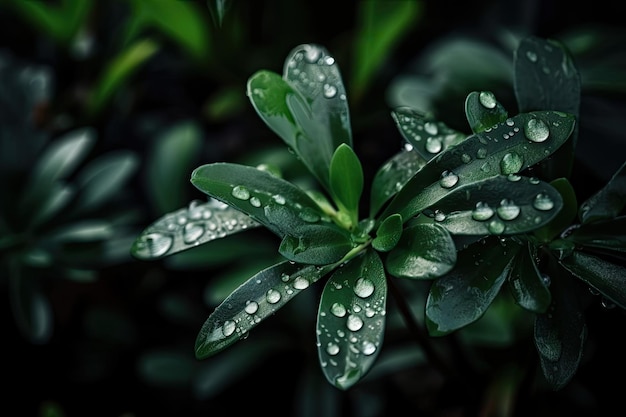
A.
x: 483, y: 111
x: 462, y: 296
x: 527, y: 284
x: 607, y: 202
x: 425, y: 251
x: 565, y: 216
x: 609, y: 234
x: 346, y: 181
x: 252, y: 302
x: 388, y: 233
x: 351, y: 320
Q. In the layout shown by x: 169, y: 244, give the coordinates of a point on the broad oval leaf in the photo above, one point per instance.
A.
x: 560, y: 334
x: 252, y: 191
x: 346, y: 181
x: 425, y: 251
x: 606, y: 277
x: 351, y: 320
x: 607, y: 202
x: 307, y: 107
x: 388, y: 233
x: 508, y: 148
x: 252, y: 302
x: 462, y: 296
x: 427, y: 137
x: 502, y: 205
x: 527, y: 284
x: 189, y: 227
x: 392, y: 175
x: 483, y: 110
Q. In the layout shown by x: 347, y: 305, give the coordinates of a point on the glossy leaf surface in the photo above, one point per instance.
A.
x: 483, y: 111
x: 388, y: 233
x: 528, y: 286
x: 346, y: 181
x: 351, y: 320
x: 462, y: 296
x: 252, y: 302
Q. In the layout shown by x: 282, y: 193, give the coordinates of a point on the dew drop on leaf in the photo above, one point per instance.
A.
x: 241, y: 192
x: 482, y: 212
x: 192, y: 232
x: 433, y: 145
x: 272, y: 296
x: 496, y: 227
x: 536, y: 130
x: 543, y: 202
x: 511, y: 163
x: 508, y: 210
x: 487, y: 99
x: 157, y: 244
x: 448, y: 179
x: 251, y: 307
x: 228, y: 327
x: 332, y: 349
x: 368, y: 348
x: 364, y: 287
x: 354, y: 323
x: 338, y: 310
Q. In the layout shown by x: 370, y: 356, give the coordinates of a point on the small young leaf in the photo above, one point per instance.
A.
x: 427, y: 137
x: 462, y: 296
x: 388, y: 233
x: 351, y: 320
x: 526, y: 282
x: 425, y: 251
x: 508, y: 148
x: 608, y: 202
x: 560, y: 334
x: 483, y: 111
x: 252, y: 302
x: 189, y: 227
x: 346, y: 181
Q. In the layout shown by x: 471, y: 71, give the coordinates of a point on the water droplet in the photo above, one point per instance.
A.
x: 255, y: 202
x: 514, y: 177
x: 354, y: 323
x: 466, y: 158
x: 228, y: 327
x: 272, y: 296
x: 308, y: 215
x: 158, y: 243
x: 251, y: 307
x: 300, y: 283
x: 431, y: 128
x: 279, y: 199
x: 532, y: 56
x: 440, y: 216
x: 448, y: 179
x: 364, y: 287
x: 511, y: 163
x: 332, y: 349
x: 545, y: 278
x: 433, y: 145
x: 482, y: 212
x: 536, y: 130
x: 241, y: 192
x: 338, y: 309
x: 543, y: 202
x: 330, y: 91
x: 312, y: 54
x: 481, y: 153
x: 495, y: 227
x: 368, y: 348
x: 508, y: 210
x: 487, y: 99
x: 192, y: 232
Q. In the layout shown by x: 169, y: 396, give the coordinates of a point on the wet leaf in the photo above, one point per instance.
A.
x: 351, y: 320
x: 502, y: 205
x: 392, y: 176
x: 560, y: 334
x: 388, y: 233
x: 483, y: 111
x: 307, y: 107
x: 425, y: 251
x: 189, y: 227
x: 346, y: 181
x: 607, y: 202
x: 252, y: 302
x: 427, y: 137
x: 607, y: 278
x: 566, y: 215
x: 508, y: 148
x: 462, y: 296
x: 608, y: 235
x: 527, y: 284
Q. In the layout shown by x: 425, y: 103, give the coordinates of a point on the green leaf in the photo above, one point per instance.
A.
x: 118, y: 71
x: 502, y: 205
x: 426, y: 136
x: 346, y: 181
x: 252, y: 190
x: 172, y: 156
x: 607, y: 235
x: 483, y: 111
x: 560, y: 334
x: 351, y: 320
x: 462, y: 296
x: 307, y: 107
x: 189, y: 227
x: 252, y: 302
x: 388, y: 233
x: 547, y: 78
x: 380, y: 25
x: 527, y: 284
x: 218, y: 9
x: 565, y: 216
x: 508, y: 148
x: 392, y: 176
x: 607, y: 202
x: 607, y: 278
x: 425, y: 251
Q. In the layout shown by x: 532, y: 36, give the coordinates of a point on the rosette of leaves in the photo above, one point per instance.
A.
x: 323, y: 235
x: 58, y: 214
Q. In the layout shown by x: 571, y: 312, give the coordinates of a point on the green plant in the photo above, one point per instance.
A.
x: 464, y: 213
